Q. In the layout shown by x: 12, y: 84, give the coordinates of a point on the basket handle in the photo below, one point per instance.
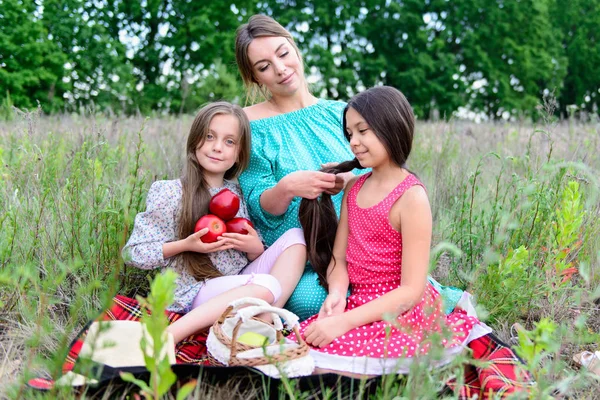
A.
x: 246, y: 313
x: 240, y: 304
x: 289, y: 318
x: 244, y: 301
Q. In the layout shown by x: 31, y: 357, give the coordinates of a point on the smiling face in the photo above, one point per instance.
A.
x: 220, y: 149
x: 364, y: 143
x: 276, y: 65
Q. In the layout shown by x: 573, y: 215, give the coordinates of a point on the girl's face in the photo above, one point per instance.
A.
x: 365, y: 145
x: 220, y: 149
x: 276, y: 65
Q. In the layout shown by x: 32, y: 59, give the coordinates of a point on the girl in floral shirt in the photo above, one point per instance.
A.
x: 211, y: 275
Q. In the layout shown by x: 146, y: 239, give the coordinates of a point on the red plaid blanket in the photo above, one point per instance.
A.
x: 502, y: 374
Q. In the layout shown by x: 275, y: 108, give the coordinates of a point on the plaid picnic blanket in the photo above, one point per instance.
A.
x: 501, y: 375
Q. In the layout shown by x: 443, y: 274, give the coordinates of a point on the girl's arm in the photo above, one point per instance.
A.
x: 153, y: 227
x: 152, y: 241
x: 194, y: 243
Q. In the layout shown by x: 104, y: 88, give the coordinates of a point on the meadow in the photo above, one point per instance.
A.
x: 515, y: 208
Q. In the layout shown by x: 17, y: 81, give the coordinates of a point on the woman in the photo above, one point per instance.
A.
x: 293, y: 135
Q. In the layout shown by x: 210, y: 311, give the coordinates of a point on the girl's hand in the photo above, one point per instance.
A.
x: 194, y: 243
x: 309, y: 184
x: 249, y: 243
x: 324, y: 331
x: 334, y: 304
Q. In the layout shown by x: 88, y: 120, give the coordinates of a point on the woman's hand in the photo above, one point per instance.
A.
x: 309, y: 184
x: 341, y: 179
x: 334, y: 304
x: 249, y: 243
x: 324, y: 331
x: 194, y: 243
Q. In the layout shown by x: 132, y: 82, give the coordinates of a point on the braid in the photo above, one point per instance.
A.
x: 319, y: 222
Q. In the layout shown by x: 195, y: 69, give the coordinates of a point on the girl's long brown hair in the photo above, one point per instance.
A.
x: 319, y: 222
x: 195, y: 190
x: 390, y: 116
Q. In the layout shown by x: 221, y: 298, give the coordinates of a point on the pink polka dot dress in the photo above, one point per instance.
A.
x: 374, y: 258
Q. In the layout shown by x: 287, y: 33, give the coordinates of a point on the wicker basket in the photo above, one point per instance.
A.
x: 277, y: 356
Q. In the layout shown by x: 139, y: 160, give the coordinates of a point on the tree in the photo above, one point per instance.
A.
x: 31, y: 65
x: 579, y: 21
x: 200, y: 42
x: 324, y: 31
x: 409, y: 52
x: 509, y: 53
x: 97, y: 67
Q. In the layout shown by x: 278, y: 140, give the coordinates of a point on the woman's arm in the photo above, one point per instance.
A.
x: 306, y: 184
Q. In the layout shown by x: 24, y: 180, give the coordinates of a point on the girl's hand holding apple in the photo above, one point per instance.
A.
x: 194, y: 243
x: 249, y: 243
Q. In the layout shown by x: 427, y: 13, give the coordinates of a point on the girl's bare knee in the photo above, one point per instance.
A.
x: 263, y: 293
x: 266, y: 287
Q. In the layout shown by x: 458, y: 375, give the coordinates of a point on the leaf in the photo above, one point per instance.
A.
x: 128, y: 377
x: 596, y: 294
x: 186, y: 390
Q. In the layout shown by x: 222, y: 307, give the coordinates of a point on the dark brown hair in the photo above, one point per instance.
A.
x: 195, y: 190
x: 390, y: 117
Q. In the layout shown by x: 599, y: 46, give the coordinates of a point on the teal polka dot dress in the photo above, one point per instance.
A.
x: 300, y: 140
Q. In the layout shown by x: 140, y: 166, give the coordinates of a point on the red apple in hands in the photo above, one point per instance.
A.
x: 216, y: 227
x: 237, y: 225
x: 224, y: 204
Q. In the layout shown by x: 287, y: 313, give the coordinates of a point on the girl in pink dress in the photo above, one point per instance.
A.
x: 380, y: 251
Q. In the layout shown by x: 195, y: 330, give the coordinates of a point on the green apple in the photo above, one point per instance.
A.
x: 253, y: 339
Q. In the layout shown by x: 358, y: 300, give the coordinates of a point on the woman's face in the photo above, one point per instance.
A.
x: 276, y: 65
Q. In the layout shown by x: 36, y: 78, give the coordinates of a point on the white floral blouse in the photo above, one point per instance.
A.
x: 158, y: 225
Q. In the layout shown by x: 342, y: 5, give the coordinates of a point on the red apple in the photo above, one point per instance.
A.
x: 237, y: 225
x: 216, y: 227
x: 224, y: 204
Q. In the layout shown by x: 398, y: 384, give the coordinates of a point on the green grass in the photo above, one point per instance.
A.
x: 514, y: 205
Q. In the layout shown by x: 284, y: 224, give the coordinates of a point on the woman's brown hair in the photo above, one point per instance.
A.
x: 257, y: 26
x: 195, y: 190
x: 391, y: 118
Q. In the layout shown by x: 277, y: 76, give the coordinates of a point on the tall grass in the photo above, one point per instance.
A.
x: 515, y: 209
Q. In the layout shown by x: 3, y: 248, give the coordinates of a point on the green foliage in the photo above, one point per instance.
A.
x: 578, y: 21
x: 508, y: 50
x: 154, y: 340
x: 567, y: 227
x: 31, y: 64
x: 498, y: 58
x: 412, y: 54
x: 97, y: 70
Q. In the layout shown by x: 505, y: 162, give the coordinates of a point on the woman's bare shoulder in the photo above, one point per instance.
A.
x: 258, y: 111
